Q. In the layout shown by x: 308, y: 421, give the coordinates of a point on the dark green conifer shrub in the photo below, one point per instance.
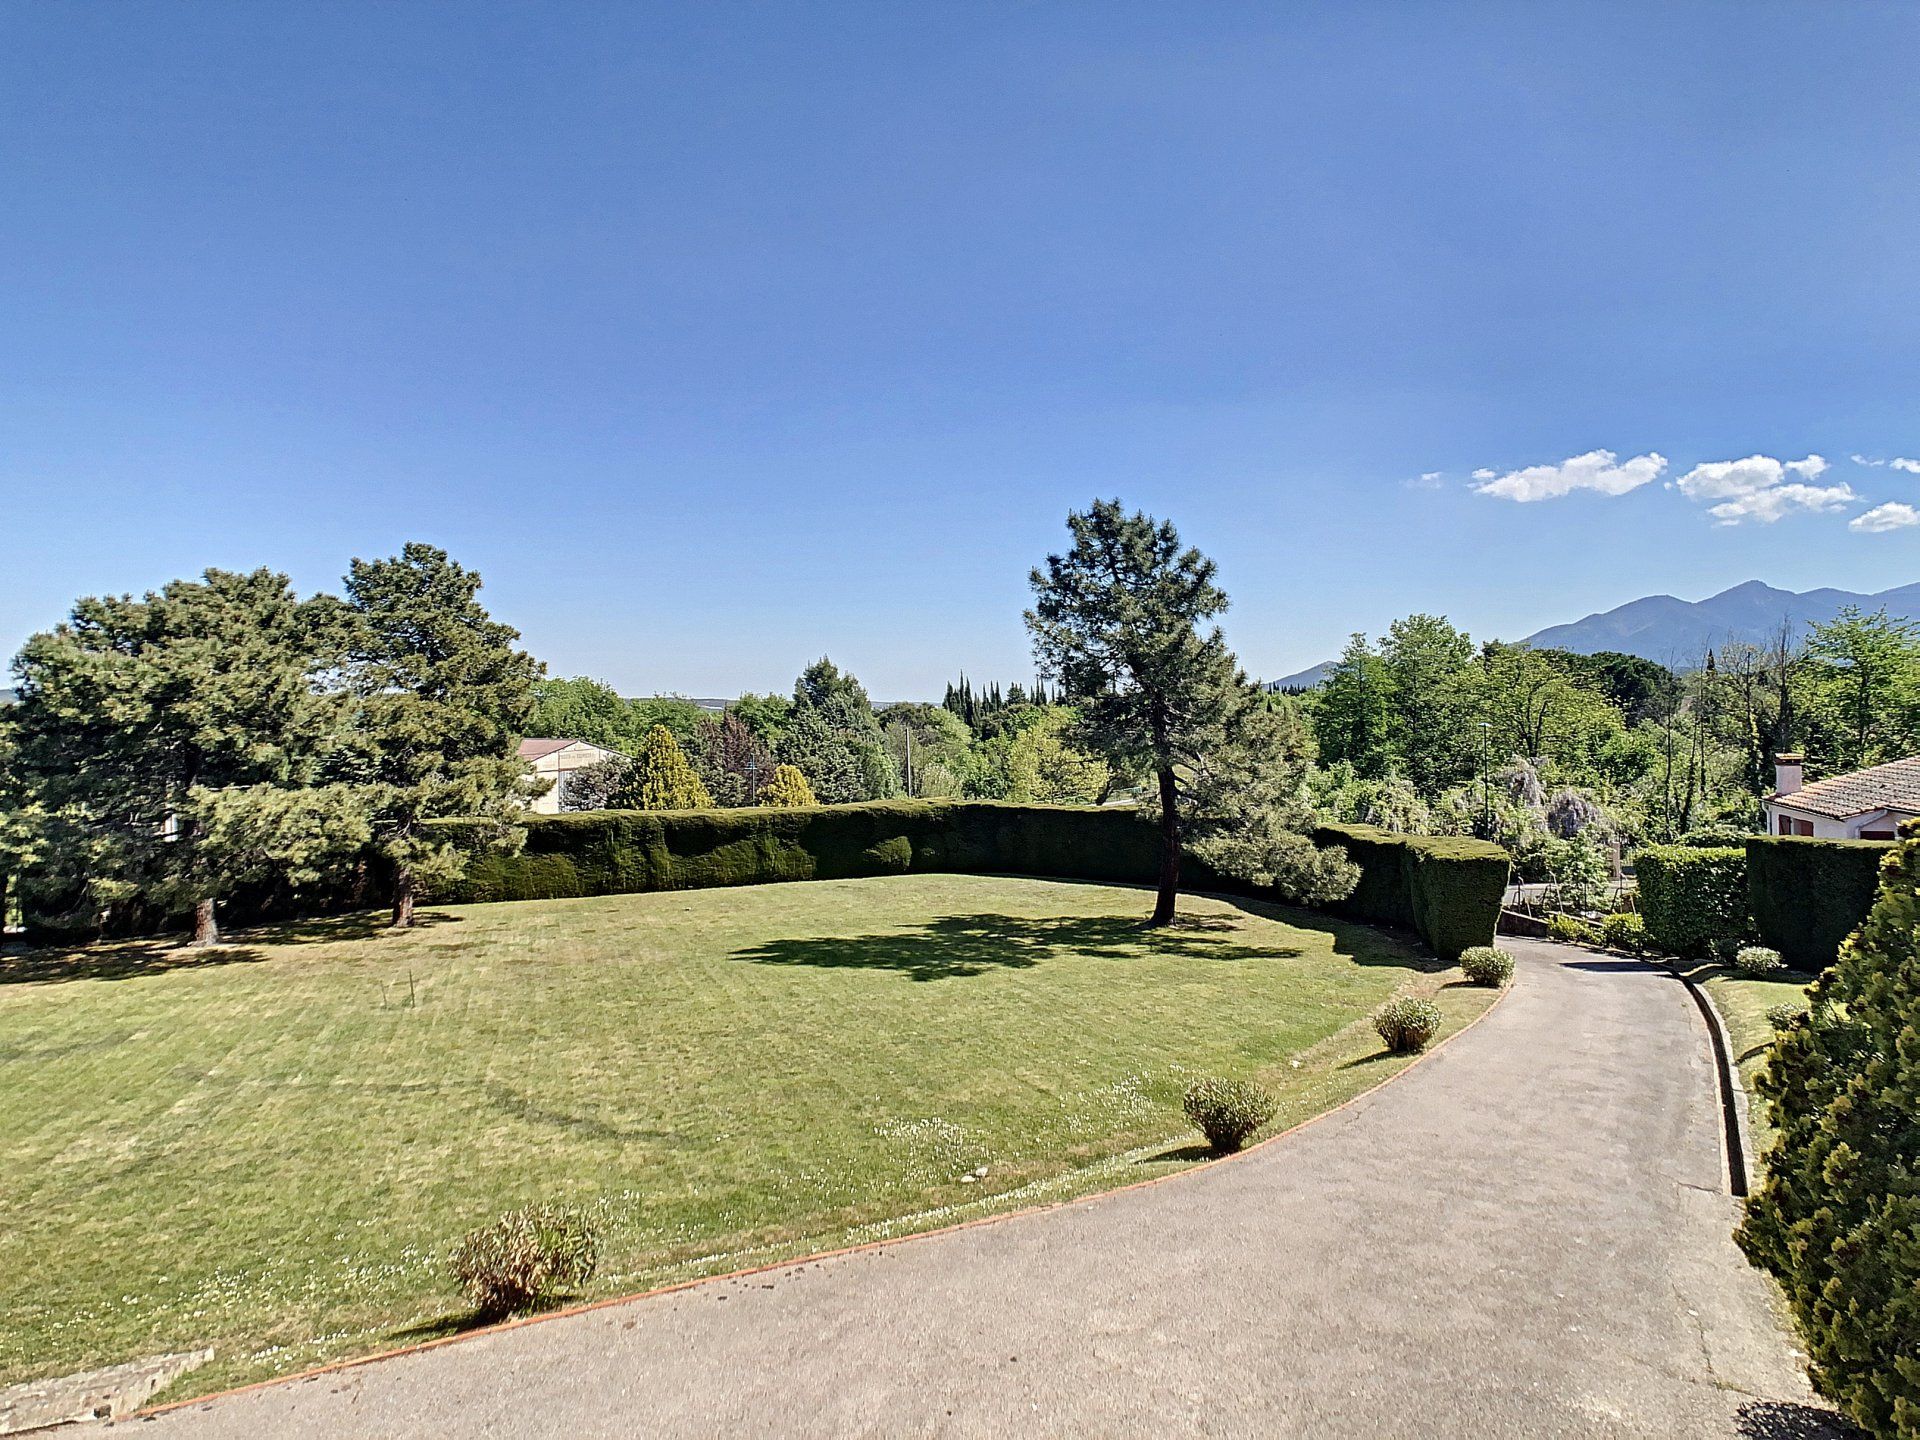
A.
x: 1837, y: 1219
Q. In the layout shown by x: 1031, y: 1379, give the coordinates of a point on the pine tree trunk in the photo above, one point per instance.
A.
x: 206, y: 927
x: 402, y: 898
x: 1169, y: 850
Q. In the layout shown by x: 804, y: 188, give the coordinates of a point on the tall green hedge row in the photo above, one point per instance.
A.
x: 614, y: 851
x: 1448, y: 888
x: 1837, y: 1219
x: 1693, y: 899
x: 1808, y: 895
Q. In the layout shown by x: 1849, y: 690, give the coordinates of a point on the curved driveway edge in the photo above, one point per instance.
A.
x: 1528, y: 1235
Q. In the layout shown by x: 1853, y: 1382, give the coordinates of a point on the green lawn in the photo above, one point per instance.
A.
x: 269, y: 1151
x: 1743, y: 1004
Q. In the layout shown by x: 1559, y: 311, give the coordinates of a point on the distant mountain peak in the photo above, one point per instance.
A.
x: 1677, y: 632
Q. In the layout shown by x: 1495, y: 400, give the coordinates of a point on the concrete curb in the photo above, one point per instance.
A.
x: 1738, y: 1136
x: 1093, y: 1198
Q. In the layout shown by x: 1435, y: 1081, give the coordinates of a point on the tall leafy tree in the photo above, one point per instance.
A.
x: 1421, y: 660
x: 1350, y: 711
x: 150, y: 728
x: 443, y: 696
x: 1121, y: 620
x: 1862, y: 679
x: 832, y: 735
x: 731, y: 760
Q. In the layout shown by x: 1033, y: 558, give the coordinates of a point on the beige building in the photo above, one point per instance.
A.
x: 555, y: 760
x: 1864, y: 805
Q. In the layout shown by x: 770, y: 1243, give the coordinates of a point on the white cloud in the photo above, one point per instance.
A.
x: 1429, y: 480
x: 1866, y: 460
x: 1891, y: 516
x: 1900, y: 462
x: 1597, y: 470
x: 1759, y: 488
x: 1770, y: 504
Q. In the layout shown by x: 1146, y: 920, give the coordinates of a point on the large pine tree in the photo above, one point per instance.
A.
x: 166, y: 744
x: 443, y: 697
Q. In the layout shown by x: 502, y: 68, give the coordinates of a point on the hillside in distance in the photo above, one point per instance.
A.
x: 1678, y: 632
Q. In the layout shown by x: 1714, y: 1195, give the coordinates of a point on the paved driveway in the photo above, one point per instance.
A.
x: 1528, y: 1234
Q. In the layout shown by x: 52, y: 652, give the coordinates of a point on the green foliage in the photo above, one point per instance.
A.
x: 1227, y: 1111
x: 602, y: 785
x: 442, y: 697
x: 1484, y: 965
x: 1784, y: 1015
x: 591, y: 710
x: 663, y: 779
x: 1759, y: 962
x: 1407, y: 1024
x: 1571, y: 930
x: 1351, y: 720
x: 613, y: 852
x: 1694, y: 900
x: 1808, y: 895
x: 1118, y: 621
x: 1448, y: 888
x: 133, y: 712
x: 1042, y: 768
x: 731, y: 760
x: 1861, y: 685
x: 1579, y: 874
x: 1624, y: 930
x: 787, y: 787
x: 1837, y: 1218
x: 522, y: 1259
x: 1423, y: 659
x: 832, y: 736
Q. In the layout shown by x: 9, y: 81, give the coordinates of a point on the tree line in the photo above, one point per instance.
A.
x: 1426, y: 730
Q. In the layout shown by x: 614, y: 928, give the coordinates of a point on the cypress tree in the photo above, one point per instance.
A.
x: 664, y: 778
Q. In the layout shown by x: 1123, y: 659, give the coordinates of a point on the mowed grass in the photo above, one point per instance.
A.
x: 270, y: 1150
x: 1743, y: 1004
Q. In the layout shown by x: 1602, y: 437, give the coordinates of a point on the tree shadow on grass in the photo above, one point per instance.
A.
x: 957, y: 946
x: 123, y: 960
x: 135, y: 959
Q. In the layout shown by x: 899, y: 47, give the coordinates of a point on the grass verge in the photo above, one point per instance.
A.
x: 270, y: 1149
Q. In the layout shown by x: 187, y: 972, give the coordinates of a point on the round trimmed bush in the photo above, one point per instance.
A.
x: 522, y: 1258
x: 1782, y: 1016
x: 1484, y: 965
x: 1759, y: 962
x: 1227, y: 1111
x: 1407, y: 1024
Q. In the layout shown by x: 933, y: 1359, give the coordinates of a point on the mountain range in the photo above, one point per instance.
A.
x: 1675, y: 632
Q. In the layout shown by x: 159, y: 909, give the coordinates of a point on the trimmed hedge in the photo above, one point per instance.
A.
x: 1808, y: 895
x: 605, y: 852
x: 1446, y: 887
x: 1693, y: 899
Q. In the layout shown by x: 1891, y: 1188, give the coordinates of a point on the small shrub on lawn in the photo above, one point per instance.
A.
x: 1759, y: 962
x: 1484, y: 965
x: 1227, y: 1111
x: 1407, y: 1024
x: 1624, y: 932
x: 1782, y: 1016
x: 525, y: 1256
x: 1571, y: 930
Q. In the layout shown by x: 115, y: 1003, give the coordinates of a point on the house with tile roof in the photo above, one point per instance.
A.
x: 556, y: 760
x: 1862, y: 805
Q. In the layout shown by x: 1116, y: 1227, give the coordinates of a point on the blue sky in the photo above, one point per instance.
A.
x: 720, y: 337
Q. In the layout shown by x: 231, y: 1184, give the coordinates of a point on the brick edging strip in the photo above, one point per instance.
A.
x: 481, y: 1332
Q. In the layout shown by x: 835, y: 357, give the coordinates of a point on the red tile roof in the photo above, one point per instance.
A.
x: 538, y: 749
x: 1893, y: 786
